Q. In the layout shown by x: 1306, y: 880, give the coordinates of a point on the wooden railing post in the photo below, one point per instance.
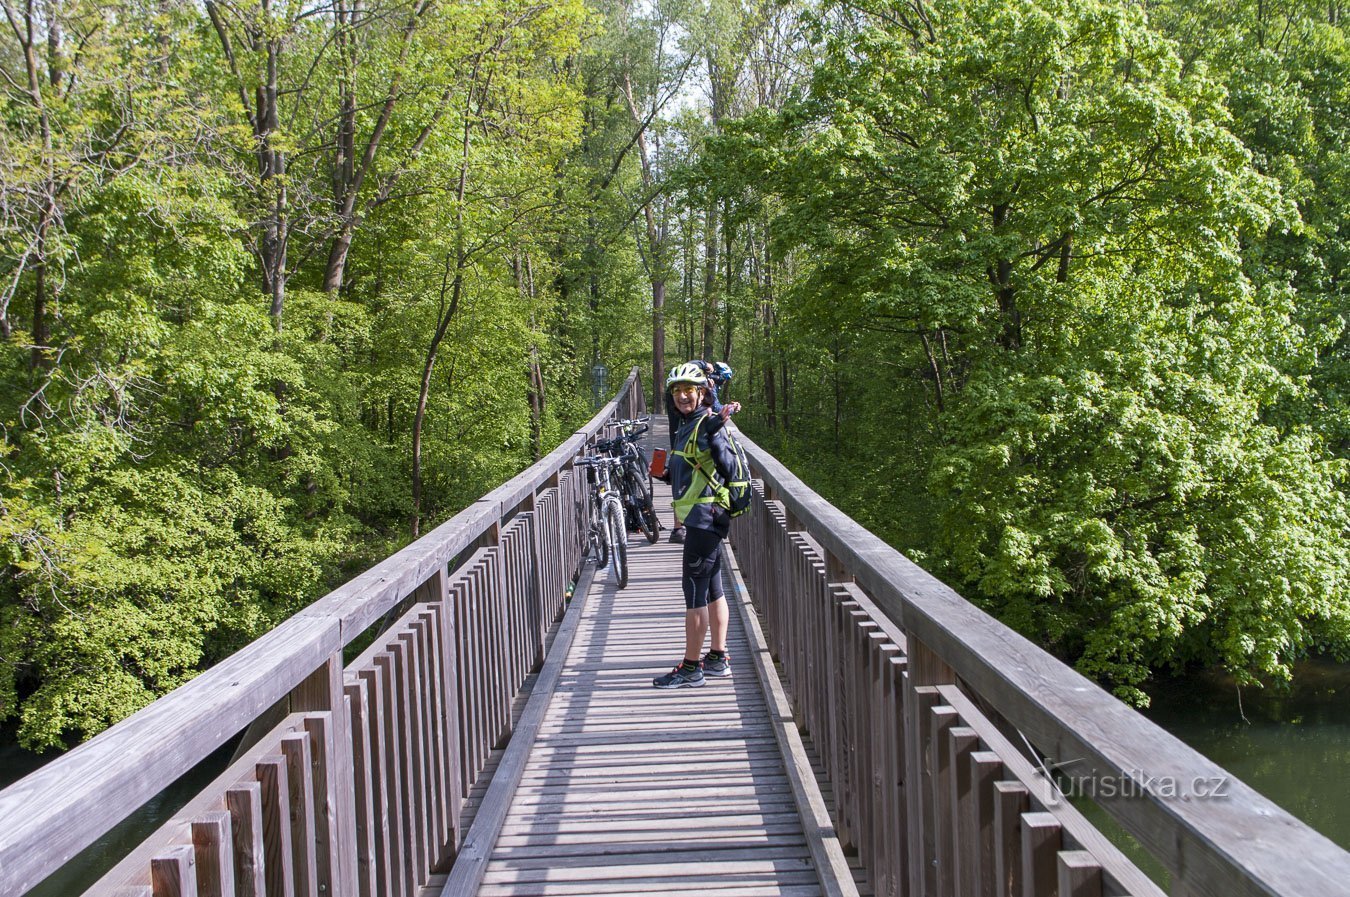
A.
x: 322, y: 690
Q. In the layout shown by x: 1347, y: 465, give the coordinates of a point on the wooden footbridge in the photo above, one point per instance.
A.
x: 450, y: 723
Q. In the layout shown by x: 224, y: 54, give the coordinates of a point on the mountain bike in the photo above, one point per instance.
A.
x: 635, y: 480
x: 605, y: 531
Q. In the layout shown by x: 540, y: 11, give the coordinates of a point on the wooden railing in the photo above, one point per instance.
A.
x: 939, y: 729
x: 359, y: 789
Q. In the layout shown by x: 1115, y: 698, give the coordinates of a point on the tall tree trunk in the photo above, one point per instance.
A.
x: 349, y: 173
x: 272, y: 184
x: 455, y: 283
x: 730, y: 288
x: 535, y: 390
x: 344, y: 145
x: 936, y: 369
x: 708, y: 317
x: 41, y: 333
x: 656, y: 254
x: 1000, y: 276
x: 658, y: 342
x: 767, y: 319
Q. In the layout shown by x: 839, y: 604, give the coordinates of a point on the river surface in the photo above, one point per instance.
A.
x: 1292, y: 745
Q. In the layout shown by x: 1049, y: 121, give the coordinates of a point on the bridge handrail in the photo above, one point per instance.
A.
x: 1241, y: 845
x: 51, y: 815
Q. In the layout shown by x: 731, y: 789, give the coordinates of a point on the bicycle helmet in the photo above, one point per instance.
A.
x: 721, y: 372
x: 689, y: 372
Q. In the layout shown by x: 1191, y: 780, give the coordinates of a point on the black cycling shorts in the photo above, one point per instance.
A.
x: 702, y: 567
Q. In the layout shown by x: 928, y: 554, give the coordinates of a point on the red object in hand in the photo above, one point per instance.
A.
x: 658, y: 468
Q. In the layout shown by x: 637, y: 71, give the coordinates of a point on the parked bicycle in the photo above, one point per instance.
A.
x: 635, y: 481
x: 605, y: 531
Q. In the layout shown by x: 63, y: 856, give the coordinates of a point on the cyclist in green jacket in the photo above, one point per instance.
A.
x: 716, y: 375
x: 700, y: 435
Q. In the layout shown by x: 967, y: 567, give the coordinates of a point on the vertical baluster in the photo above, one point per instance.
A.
x: 483, y: 654
x: 943, y: 719
x: 433, y: 716
x: 1010, y: 800
x: 367, y: 774
x: 847, y: 757
x: 300, y: 805
x: 172, y: 873
x: 278, y: 856
x: 897, y: 848
x: 1079, y: 874
x: 417, y: 717
x: 409, y: 754
x: 1040, y: 845
x: 450, y: 718
x: 320, y: 727
x: 400, y: 838
x: 244, y: 802
x: 886, y: 846
x: 213, y: 851
x: 919, y: 703
x: 985, y: 769
x: 830, y: 744
x: 962, y: 742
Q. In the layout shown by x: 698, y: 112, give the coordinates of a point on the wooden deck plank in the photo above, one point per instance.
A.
x: 647, y: 887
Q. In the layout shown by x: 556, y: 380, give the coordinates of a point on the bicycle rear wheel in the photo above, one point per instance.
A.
x: 618, y: 542
x: 639, y: 480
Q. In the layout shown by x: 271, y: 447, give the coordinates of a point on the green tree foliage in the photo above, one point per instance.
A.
x: 206, y: 424
x: 1034, y: 222
x: 1050, y: 294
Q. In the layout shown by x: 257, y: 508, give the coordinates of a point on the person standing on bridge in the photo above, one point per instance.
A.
x: 699, y: 435
x: 718, y: 375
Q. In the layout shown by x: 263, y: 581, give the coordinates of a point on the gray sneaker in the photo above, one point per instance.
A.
x: 717, y: 667
x: 680, y: 678
x: 677, y: 534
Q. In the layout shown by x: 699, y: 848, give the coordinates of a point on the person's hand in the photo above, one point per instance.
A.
x: 729, y: 409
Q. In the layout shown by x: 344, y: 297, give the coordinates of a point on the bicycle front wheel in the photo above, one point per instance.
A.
x: 618, y: 542
x: 597, y: 533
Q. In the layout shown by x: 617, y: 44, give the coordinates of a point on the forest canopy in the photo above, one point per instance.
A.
x: 1050, y: 295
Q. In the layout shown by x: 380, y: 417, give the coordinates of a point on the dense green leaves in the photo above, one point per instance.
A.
x: 209, y: 412
x: 1077, y: 261
x: 1050, y: 294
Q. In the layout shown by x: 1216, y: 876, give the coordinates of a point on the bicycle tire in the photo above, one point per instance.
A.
x: 640, y: 499
x: 637, y: 480
x: 597, y: 533
x: 618, y: 537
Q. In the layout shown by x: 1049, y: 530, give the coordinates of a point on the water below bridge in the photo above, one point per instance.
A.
x: 1292, y: 745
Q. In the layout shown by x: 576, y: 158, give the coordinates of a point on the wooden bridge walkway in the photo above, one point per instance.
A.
x: 446, y: 723
x: 629, y: 789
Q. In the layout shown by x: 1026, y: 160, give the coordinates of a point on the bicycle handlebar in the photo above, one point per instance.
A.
x: 598, y: 461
